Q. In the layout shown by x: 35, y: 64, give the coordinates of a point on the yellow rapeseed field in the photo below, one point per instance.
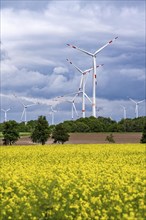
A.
x: 73, y: 182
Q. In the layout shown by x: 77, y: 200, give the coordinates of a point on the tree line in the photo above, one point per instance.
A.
x: 102, y: 124
x: 41, y: 131
x: 91, y: 124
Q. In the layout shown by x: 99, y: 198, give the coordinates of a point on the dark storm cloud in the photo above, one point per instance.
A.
x: 120, y: 87
x: 36, y: 33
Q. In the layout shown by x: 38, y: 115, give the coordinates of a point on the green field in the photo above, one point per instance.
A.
x: 73, y: 182
x: 21, y: 134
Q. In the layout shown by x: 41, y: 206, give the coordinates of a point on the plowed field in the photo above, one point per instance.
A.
x: 90, y: 138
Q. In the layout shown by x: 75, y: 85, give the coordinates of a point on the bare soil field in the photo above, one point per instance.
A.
x: 86, y: 138
x: 89, y: 138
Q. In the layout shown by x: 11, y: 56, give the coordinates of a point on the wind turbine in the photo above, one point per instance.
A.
x: 67, y: 98
x: 72, y: 101
x: 82, y: 84
x: 24, y: 113
x: 73, y: 109
x: 136, y: 106
x: 124, y: 110
x: 93, y: 55
x: 5, y: 111
x: 52, y: 113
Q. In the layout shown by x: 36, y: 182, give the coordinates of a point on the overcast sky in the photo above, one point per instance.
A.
x: 34, y: 35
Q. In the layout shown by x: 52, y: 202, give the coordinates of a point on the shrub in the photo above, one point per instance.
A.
x: 110, y: 138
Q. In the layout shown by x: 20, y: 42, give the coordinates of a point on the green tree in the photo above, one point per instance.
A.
x: 60, y: 134
x: 31, y: 125
x: 70, y: 126
x: 82, y: 127
x: 1, y: 127
x: 10, y: 132
x: 143, y: 138
x: 41, y: 132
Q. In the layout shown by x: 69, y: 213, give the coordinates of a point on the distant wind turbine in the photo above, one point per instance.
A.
x: 52, y: 114
x: 73, y: 106
x: 124, y: 111
x: 93, y: 55
x: 72, y: 101
x: 5, y: 111
x: 136, y: 106
x: 24, y: 113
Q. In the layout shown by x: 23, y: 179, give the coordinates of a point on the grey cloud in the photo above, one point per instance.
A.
x: 22, y: 4
x: 37, y: 66
x: 60, y: 70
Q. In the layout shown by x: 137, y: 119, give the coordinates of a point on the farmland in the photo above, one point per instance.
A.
x: 88, y: 138
x: 73, y: 182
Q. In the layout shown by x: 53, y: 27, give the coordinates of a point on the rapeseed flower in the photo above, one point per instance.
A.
x: 100, y: 182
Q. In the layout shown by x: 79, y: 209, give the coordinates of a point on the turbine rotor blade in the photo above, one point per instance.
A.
x: 141, y: 101
x: 88, y: 70
x: 29, y: 105
x: 84, y: 51
x: 75, y: 108
x: 105, y: 46
x: 88, y: 97
x: 133, y: 100
x: 67, y: 94
x: 22, y: 114
x: 74, y: 97
x: 99, y: 65
x: 81, y: 82
x: 19, y: 100
x: 75, y: 66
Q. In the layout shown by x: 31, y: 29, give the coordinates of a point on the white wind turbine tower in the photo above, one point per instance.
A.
x: 5, y: 111
x: 82, y: 84
x: 73, y: 109
x: 124, y: 111
x: 24, y: 113
x: 52, y: 113
x: 93, y: 55
x: 136, y: 106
